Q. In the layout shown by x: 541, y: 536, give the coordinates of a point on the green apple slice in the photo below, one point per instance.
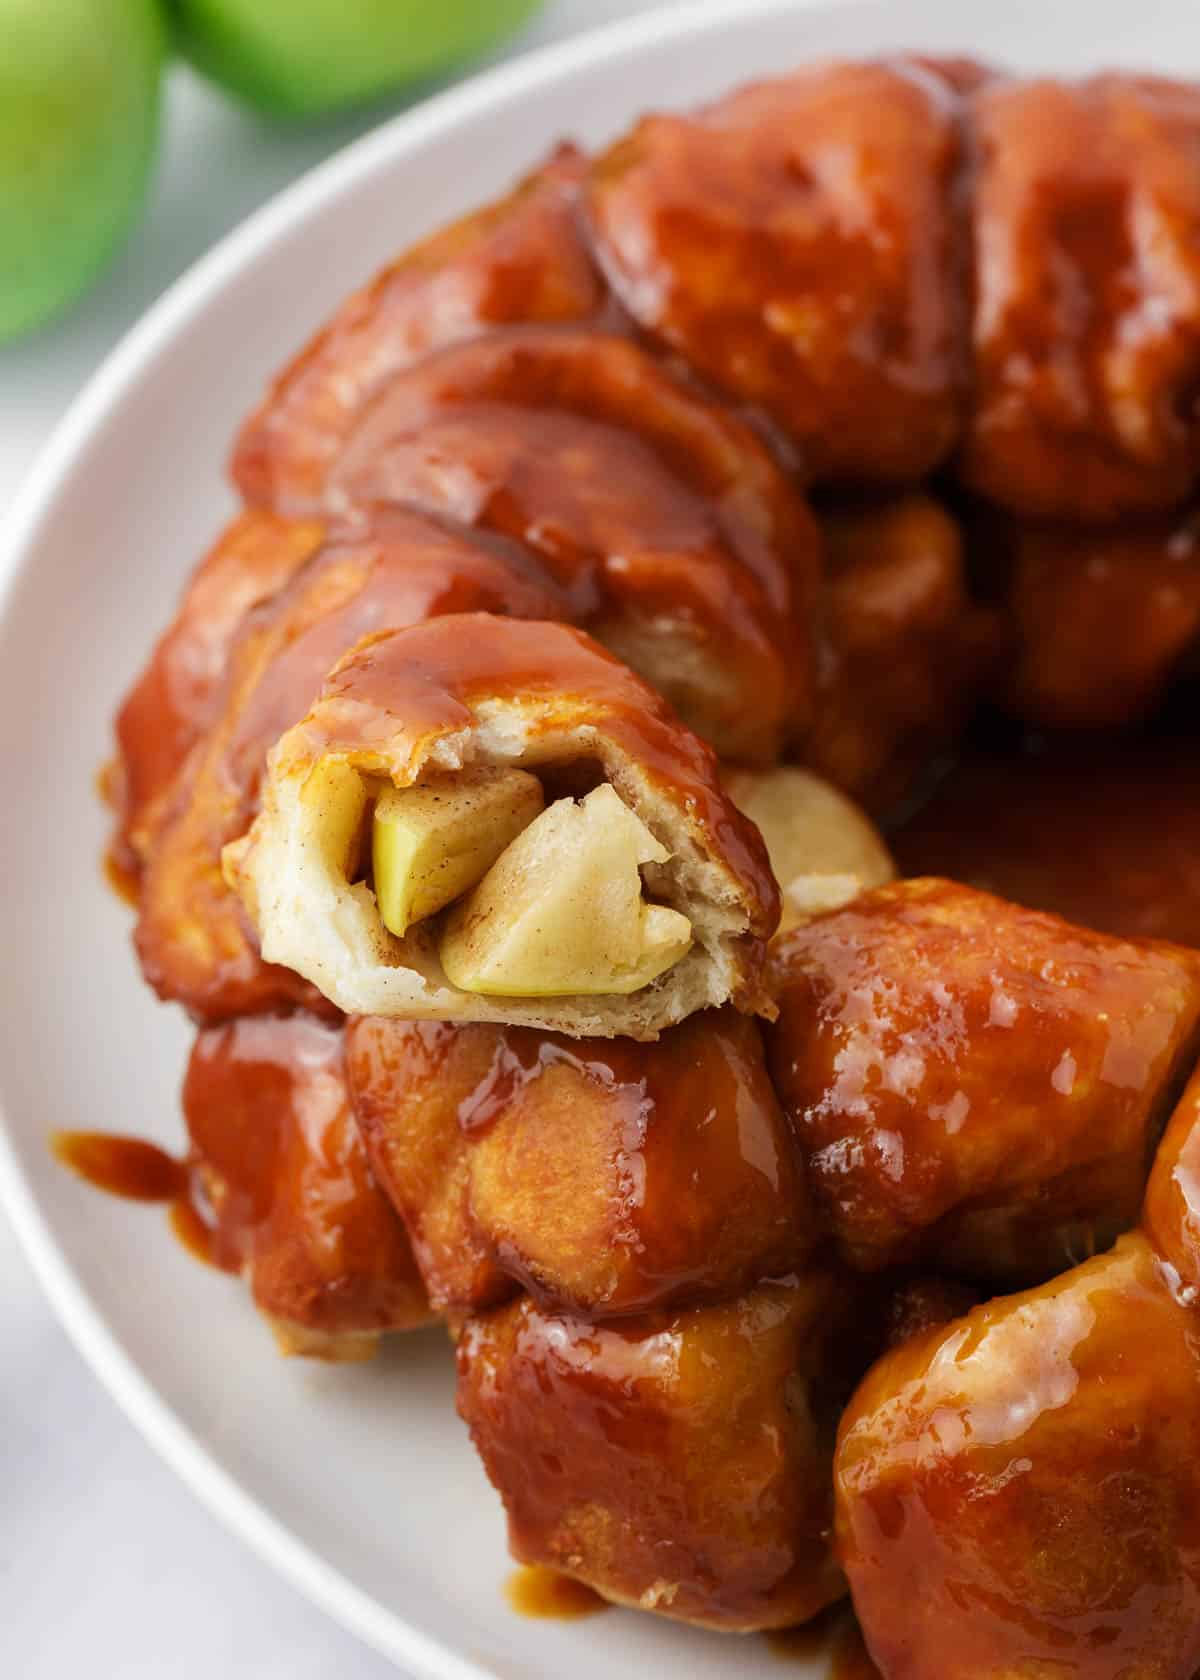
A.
x: 431, y: 843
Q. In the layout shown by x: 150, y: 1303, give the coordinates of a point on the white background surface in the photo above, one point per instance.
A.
x: 107, y: 1565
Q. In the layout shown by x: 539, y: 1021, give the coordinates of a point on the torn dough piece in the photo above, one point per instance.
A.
x: 460, y: 695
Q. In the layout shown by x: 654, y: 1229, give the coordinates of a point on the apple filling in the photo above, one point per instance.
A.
x: 541, y: 902
x: 432, y: 842
x: 824, y: 849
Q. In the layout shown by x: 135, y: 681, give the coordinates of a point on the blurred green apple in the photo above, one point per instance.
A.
x: 297, y: 58
x: 79, y: 96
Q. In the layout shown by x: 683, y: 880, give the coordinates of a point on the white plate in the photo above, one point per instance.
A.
x: 358, y: 1484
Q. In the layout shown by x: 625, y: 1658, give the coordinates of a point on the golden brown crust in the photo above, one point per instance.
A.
x: 605, y: 1178
x: 1103, y: 619
x: 1087, y: 295
x: 798, y: 243
x: 1172, y: 1211
x: 294, y: 1207
x: 676, y: 537
x: 1017, y: 1493
x: 677, y: 1462
x: 974, y: 1084
x: 520, y: 259
x: 905, y: 652
x: 192, y: 937
x: 888, y: 259
x: 175, y: 699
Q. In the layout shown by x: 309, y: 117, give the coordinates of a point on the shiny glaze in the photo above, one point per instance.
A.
x: 1105, y: 833
x: 142, y: 1172
x: 177, y: 696
x: 1087, y: 311
x: 662, y: 515
x: 406, y: 1082
x: 194, y: 942
x: 1019, y: 1493
x: 190, y: 1224
x: 975, y: 1083
x: 1171, y: 1214
x: 122, y: 874
x: 289, y: 1198
x: 1103, y: 620
x: 798, y: 243
x: 521, y: 259
x: 119, y: 862
x: 605, y: 1176
x: 124, y: 1166
x: 904, y: 650
x: 676, y: 1460
x: 547, y: 1595
x: 389, y: 703
x: 884, y: 259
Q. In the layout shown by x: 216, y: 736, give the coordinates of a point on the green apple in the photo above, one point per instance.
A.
x: 296, y: 58
x: 79, y: 98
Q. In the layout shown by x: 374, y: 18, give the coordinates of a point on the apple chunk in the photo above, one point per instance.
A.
x: 823, y: 848
x: 431, y: 843
x: 561, y: 911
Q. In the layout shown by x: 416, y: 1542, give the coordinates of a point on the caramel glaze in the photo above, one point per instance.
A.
x: 193, y: 940
x: 974, y: 1083
x: 1103, y: 620
x: 276, y: 1184
x: 605, y: 1176
x: 805, y: 244
x: 678, y: 1460
x: 653, y: 506
x: 521, y: 259
x: 547, y: 1595
x: 904, y: 650
x: 799, y: 244
x: 142, y: 1172
x: 119, y: 862
x: 1018, y: 1493
x: 1104, y: 832
x: 122, y: 874
x: 888, y: 265
x: 192, y: 1228
x: 1086, y: 333
x: 289, y: 1199
x: 124, y: 1166
x: 393, y: 699
x: 177, y: 696
x: 1172, y: 1211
